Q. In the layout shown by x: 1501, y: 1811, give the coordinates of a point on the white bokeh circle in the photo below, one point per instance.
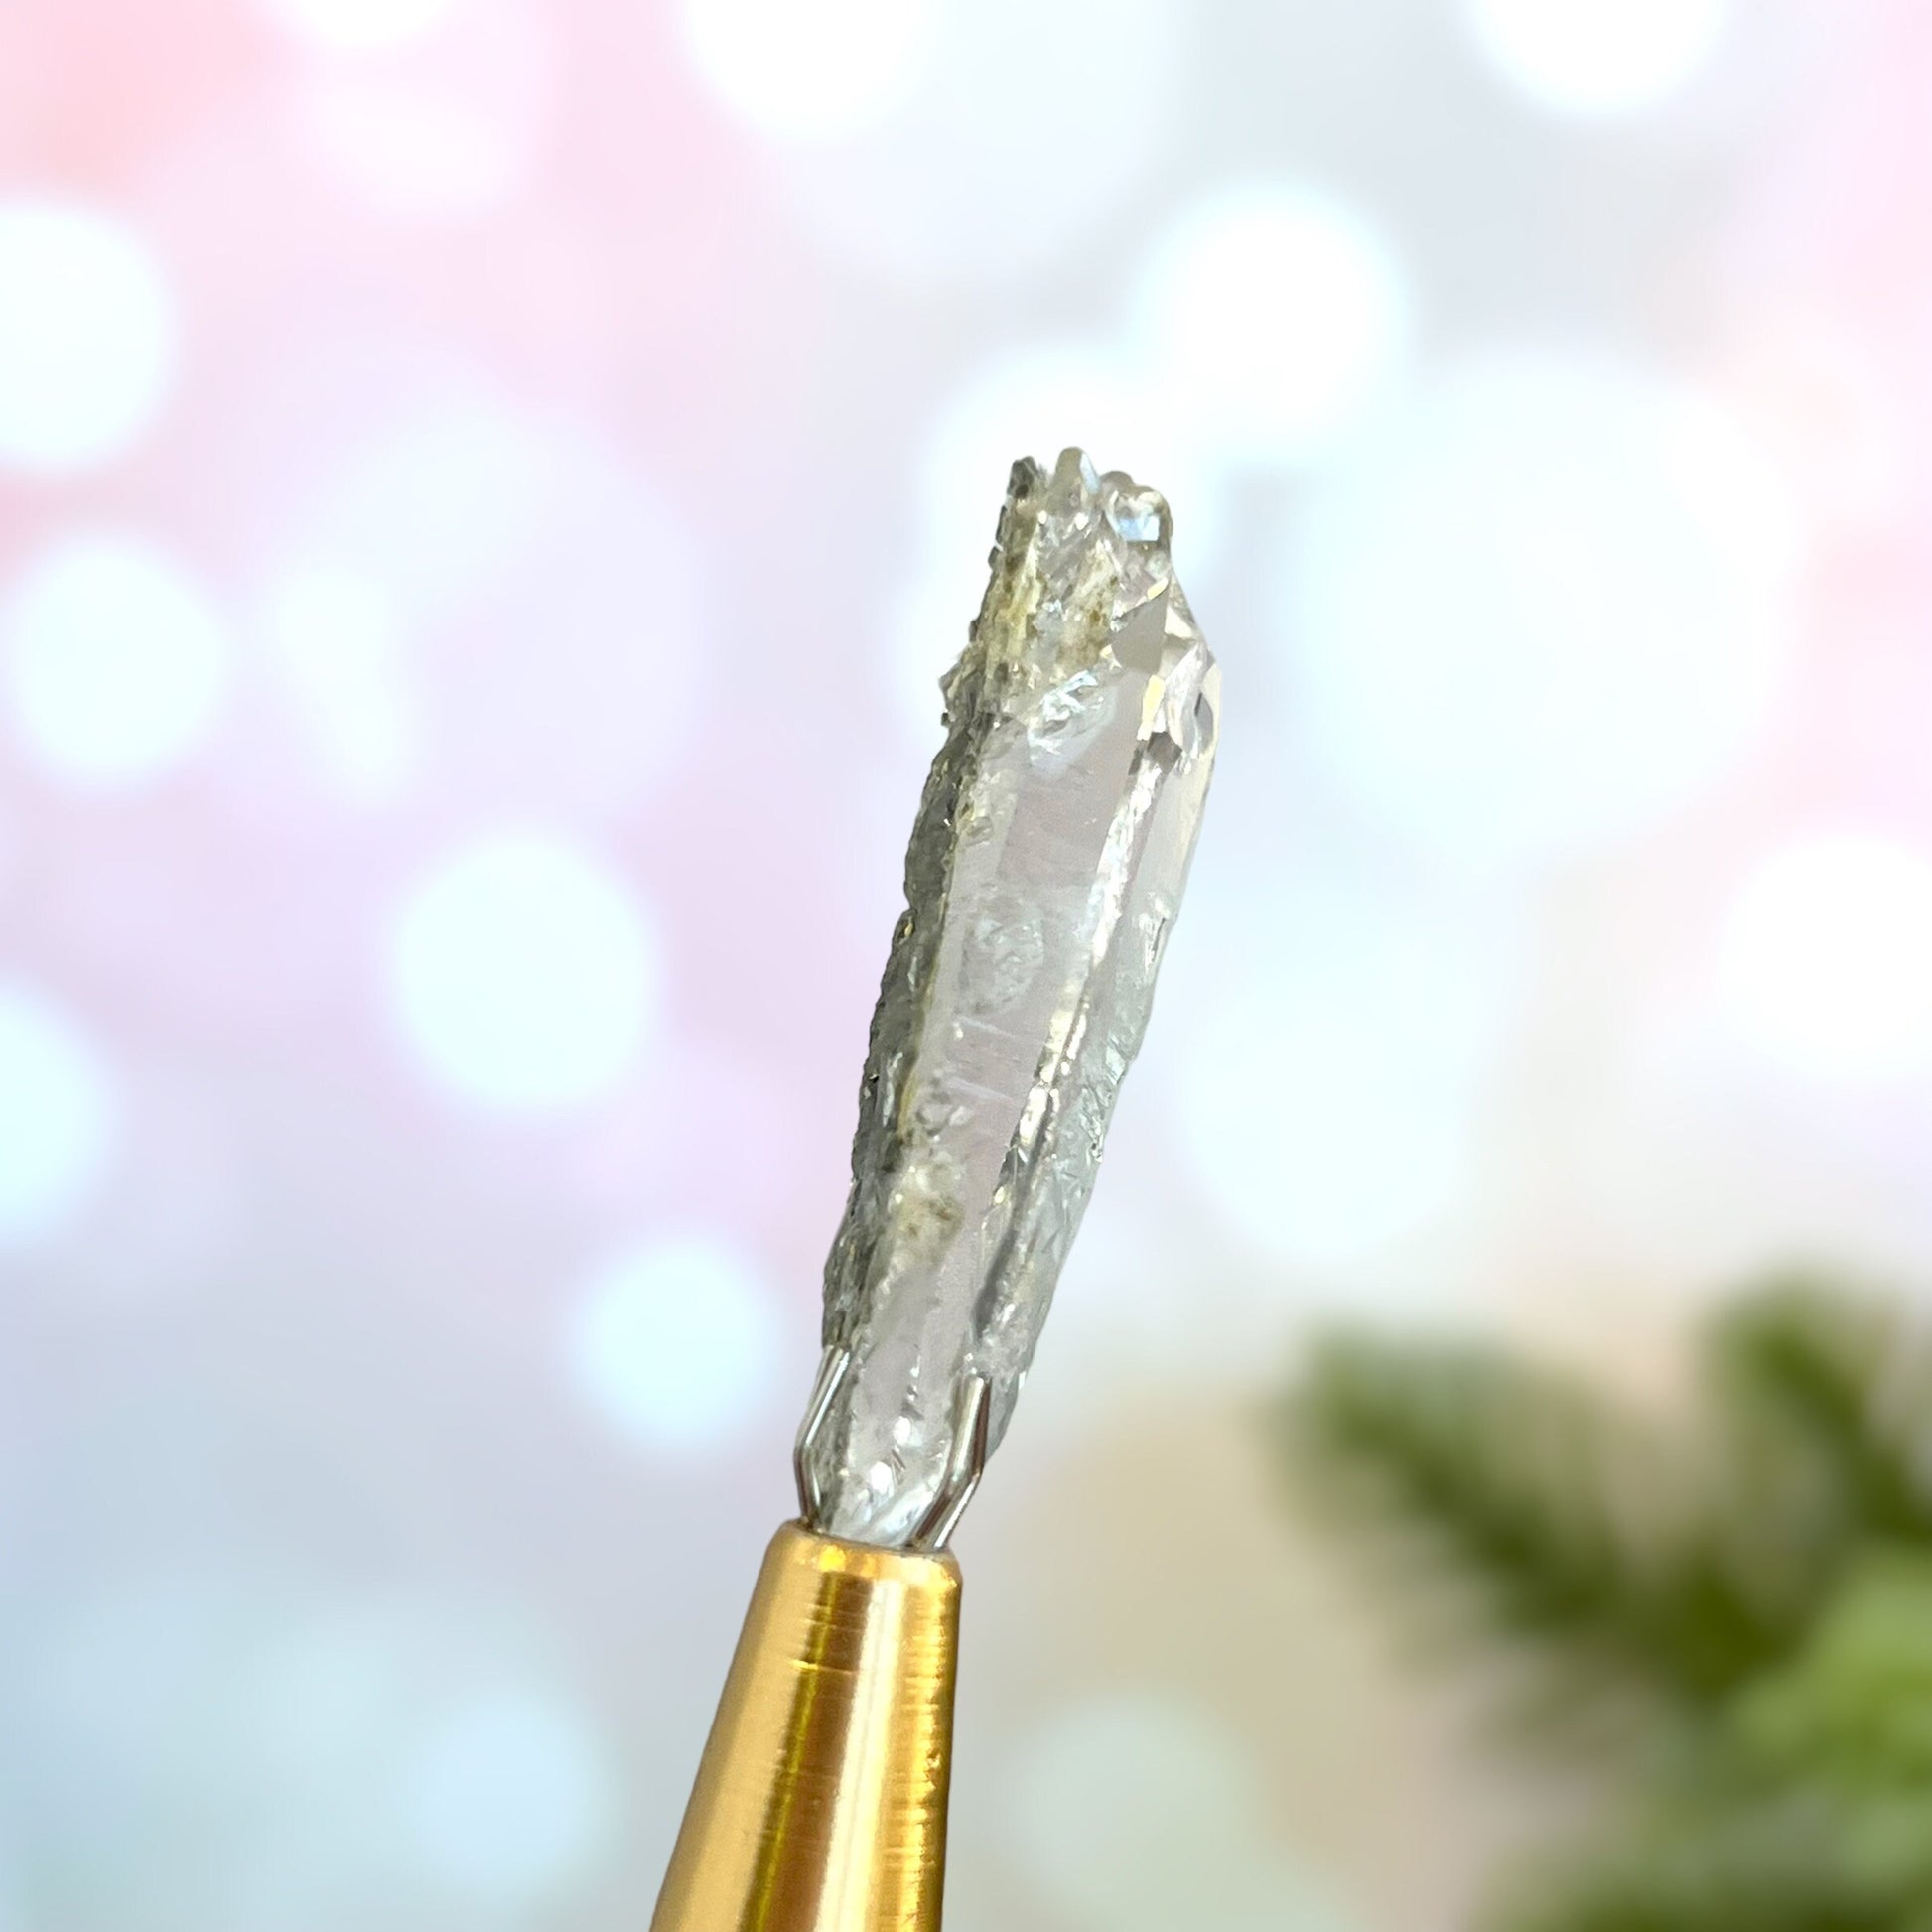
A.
x: 1274, y: 315
x: 1551, y: 606
x: 1028, y: 130
x: 86, y: 335
x: 813, y: 73
x: 523, y: 975
x: 675, y: 1344
x: 116, y: 664
x: 1825, y: 960
x: 60, y: 1116
x: 360, y: 26
x: 1332, y: 1108
x: 1592, y: 58
x: 509, y: 1799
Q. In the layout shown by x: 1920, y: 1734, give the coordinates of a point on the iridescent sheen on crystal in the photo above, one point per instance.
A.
x: 1044, y: 871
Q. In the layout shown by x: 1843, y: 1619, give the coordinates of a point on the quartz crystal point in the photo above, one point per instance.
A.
x: 1047, y: 861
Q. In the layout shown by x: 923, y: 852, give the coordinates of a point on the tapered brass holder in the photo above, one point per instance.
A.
x: 820, y: 1803
x: 1045, y: 866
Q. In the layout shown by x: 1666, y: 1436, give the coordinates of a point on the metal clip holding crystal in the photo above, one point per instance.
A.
x: 967, y: 1464
x: 1085, y: 692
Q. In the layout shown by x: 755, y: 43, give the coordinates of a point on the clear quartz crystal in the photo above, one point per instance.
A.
x: 1044, y: 873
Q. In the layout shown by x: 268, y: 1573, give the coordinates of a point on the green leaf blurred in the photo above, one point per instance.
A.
x: 1741, y: 1589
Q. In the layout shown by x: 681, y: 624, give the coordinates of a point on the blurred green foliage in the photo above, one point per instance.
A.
x: 1730, y: 1607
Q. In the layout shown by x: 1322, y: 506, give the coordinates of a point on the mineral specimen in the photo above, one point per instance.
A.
x: 1044, y: 873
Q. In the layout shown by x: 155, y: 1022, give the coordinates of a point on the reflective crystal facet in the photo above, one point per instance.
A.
x: 1044, y: 873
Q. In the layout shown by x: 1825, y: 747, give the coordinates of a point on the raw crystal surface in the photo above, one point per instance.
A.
x: 1044, y: 871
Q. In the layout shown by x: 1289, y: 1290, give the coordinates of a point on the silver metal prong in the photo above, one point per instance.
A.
x: 832, y: 1366
x: 963, y: 1470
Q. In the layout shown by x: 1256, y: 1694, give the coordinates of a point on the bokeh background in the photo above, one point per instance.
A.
x: 487, y: 490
